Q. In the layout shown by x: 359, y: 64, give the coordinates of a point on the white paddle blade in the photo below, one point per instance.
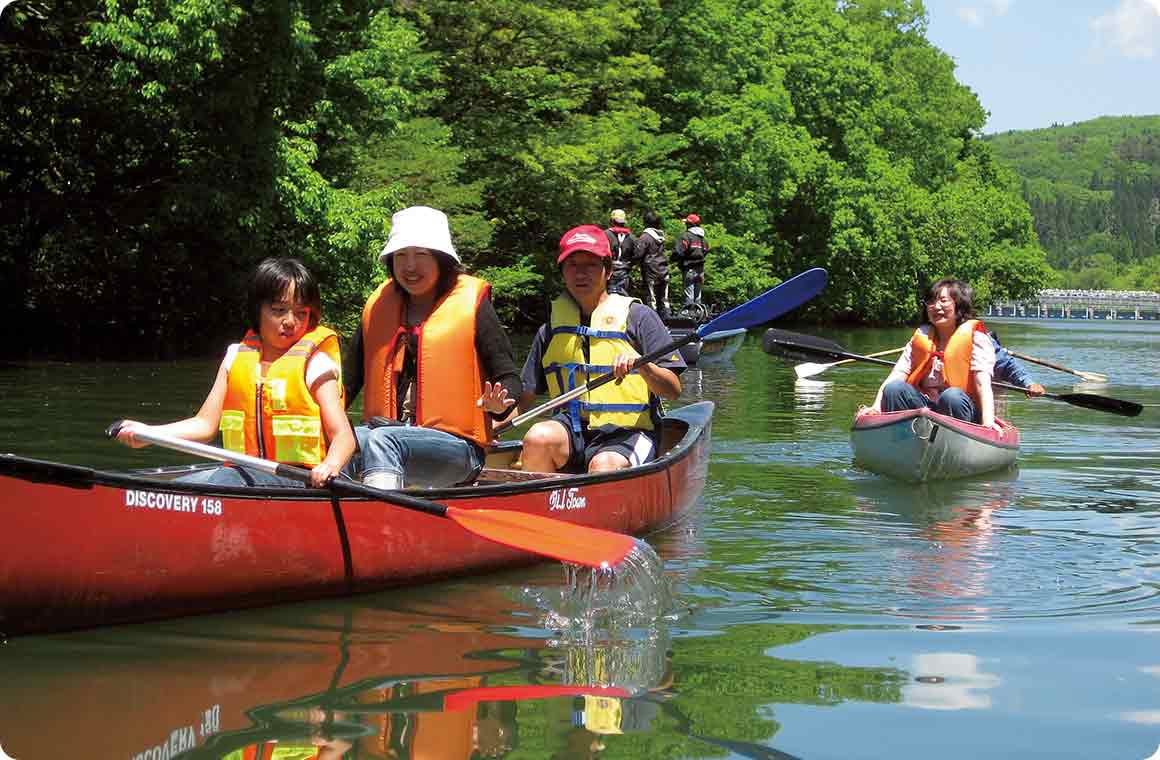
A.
x: 810, y: 369
x: 1093, y: 377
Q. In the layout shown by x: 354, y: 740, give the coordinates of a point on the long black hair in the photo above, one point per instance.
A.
x: 960, y: 292
x: 270, y: 281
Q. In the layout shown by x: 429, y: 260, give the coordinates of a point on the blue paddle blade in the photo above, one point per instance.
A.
x: 771, y: 304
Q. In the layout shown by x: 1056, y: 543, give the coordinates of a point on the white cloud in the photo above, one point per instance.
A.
x: 976, y: 16
x: 949, y: 681
x: 1145, y: 717
x: 972, y: 16
x: 1132, y: 29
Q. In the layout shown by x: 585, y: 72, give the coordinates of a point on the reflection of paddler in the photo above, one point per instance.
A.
x: 436, y: 735
x: 612, y: 715
x: 320, y: 749
x: 958, y: 569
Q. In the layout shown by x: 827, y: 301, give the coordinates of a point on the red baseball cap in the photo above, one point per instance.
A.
x: 693, y: 219
x: 587, y: 238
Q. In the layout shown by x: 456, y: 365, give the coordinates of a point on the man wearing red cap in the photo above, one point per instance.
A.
x: 690, y: 254
x: 592, y: 332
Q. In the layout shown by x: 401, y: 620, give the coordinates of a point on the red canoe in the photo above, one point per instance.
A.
x: 87, y: 547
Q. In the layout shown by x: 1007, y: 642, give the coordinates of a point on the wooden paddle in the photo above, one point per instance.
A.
x: 1091, y: 377
x: 794, y: 345
x: 576, y: 544
x: 810, y: 369
x: 766, y: 307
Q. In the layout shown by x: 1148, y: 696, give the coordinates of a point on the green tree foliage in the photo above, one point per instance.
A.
x: 159, y: 148
x: 1094, y: 190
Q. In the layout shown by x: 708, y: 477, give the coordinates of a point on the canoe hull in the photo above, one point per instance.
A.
x: 919, y: 445
x: 715, y: 347
x: 89, y: 548
x: 719, y: 347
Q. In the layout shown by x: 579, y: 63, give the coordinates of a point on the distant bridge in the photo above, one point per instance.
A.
x: 1082, y: 304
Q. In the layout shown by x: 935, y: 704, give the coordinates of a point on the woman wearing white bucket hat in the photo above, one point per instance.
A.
x: 435, y: 366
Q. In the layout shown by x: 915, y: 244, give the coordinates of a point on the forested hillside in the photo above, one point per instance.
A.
x: 1094, y: 190
x: 156, y: 149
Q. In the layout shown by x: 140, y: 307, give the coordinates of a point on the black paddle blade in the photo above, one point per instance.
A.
x: 1102, y: 403
x: 799, y: 347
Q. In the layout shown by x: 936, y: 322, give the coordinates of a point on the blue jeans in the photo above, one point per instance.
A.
x: 693, y: 281
x: 952, y: 402
x: 239, y: 476
x: 421, y: 456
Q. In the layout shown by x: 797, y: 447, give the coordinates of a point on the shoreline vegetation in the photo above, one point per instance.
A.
x: 157, y: 149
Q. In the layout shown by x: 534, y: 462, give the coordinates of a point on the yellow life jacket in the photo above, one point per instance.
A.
x: 956, y: 357
x: 274, y: 751
x: 625, y: 404
x: 448, y: 376
x: 276, y: 417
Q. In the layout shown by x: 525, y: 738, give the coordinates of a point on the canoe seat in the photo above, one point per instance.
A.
x: 500, y: 475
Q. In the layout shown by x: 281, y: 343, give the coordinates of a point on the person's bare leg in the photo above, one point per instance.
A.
x: 546, y: 447
x: 606, y: 461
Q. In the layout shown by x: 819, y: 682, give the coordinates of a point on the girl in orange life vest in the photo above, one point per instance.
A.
x: 278, y: 393
x: 432, y: 360
x: 948, y: 364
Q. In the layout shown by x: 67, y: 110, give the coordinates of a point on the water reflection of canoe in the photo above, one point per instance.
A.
x: 170, y: 689
x: 920, y: 445
x: 715, y: 347
x: 87, y: 547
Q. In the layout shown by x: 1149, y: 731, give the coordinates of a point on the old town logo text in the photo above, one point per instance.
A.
x: 566, y: 499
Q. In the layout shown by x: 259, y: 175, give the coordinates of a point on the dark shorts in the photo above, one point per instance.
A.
x: 637, y: 446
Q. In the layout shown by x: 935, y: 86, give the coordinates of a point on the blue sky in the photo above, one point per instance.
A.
x: 1037, y: 62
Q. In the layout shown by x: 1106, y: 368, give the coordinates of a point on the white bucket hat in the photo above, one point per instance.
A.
x: 419, y: 227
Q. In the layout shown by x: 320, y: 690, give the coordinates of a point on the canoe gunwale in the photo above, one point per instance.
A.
x: 966, y: 429
x: 695, y: 417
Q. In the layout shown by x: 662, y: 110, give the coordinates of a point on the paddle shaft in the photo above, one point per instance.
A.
x: 817, y: 369
x: 875, y: 354
x: 860, y: 358
x: 768, y: 306
x: 347, y: 487
x: 1044, y: 363
x: 592, y: 385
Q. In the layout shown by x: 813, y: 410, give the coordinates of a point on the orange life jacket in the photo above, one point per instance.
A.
x: 956, y: 357
x: 276, y: 417
x: 430, y: 735
x: 448, y: 376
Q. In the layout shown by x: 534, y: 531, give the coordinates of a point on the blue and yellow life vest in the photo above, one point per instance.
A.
x: 624, y: 404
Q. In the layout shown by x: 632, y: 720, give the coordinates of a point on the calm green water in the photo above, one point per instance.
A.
x: 820, y: 611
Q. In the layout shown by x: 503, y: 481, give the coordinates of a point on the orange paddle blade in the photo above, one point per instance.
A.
x: 560, y: 540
